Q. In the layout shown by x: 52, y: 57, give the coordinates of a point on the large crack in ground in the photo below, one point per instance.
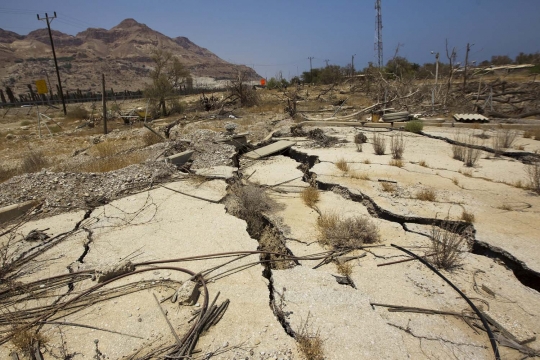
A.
x: 522, y: 272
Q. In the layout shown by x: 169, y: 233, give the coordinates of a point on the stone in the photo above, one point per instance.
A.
x: 187, y: 294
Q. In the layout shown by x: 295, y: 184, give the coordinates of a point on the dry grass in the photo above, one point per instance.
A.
x: 396, y: 162
x: 310, y: 344
x: 24, y: 340
x: 533, y: 170
x: 388, y: 187
x: 342, y: 165
x: 33, y: 161
x: 467, y: 217
x: 426, y: 195
x: 423, y: 164
x: 106, y: 149
x: 447, y: 245
x: 367, y: 162
x: 518, y: 184
x: 346, y: 233
x: 455, y: 181
x: 149, y: 138
x: 310, y: 196
x: 359, y: 175
x: 379, y: 144
x: 345, y: 268
x: 78, y: 113
x: 397, y: 146
x: 529, y: 133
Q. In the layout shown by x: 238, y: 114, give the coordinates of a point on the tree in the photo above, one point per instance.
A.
x: 168, y: 76
x: 501, y: 60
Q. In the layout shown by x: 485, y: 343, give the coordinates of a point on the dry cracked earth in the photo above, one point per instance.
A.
x: 120, y: 280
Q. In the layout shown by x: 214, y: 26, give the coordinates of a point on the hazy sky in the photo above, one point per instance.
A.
x: 276, y: 35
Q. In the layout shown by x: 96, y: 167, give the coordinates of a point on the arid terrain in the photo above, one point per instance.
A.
x: 279, y: 230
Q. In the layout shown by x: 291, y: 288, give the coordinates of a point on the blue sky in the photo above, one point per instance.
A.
x: 280, y: 35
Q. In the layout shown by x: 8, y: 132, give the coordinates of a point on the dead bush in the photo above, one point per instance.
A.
x: 243, y: 92
x: 426, y: 195
x: 468, y: 217
x: 346, y: 233
x: 310, y: 196
x: 423, y: 163
x: 379, y: 144
x: 458, y: 152
x: 388, y: 187
x: 78, y: 113
x: 396, y: 163
x: 360, y: 139
x: 249, y: 203
x: 106, y: 149
x: 24, y: 340
x: 149, y: 138
x: 533, y: 170
x: 471, y: 156
x: 345, y: 268
x: 447, y: 245
x: 33, y: 161
x: 503, y: 139
x: 321, y: 138
x: 342, y: 165
x: 310, y: 344
x: 528, y: 133
x: 397, y: 146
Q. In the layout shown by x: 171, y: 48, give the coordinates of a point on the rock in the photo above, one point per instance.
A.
x: 10, y: 137
x: 187, y: 294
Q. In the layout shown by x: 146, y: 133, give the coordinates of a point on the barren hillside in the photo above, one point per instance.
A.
x: 122, y: 53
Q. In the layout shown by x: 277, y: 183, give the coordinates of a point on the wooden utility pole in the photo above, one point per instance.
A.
x: 466, y: 63
x: 104, y: 103
x: 352, y: 65
x: 48, y: 20
x: 310, y: 69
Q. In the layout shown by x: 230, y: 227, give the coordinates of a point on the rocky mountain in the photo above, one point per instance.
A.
x: 121, y: 53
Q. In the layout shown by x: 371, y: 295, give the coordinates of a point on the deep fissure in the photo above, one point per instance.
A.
x: 524, y: 275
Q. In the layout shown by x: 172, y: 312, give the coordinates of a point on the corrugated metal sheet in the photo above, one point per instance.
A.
x: 470, y: 117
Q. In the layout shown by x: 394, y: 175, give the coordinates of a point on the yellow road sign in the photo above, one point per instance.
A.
x: 41, y: 87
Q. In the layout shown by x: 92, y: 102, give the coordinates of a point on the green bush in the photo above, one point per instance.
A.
x: 414, y: 126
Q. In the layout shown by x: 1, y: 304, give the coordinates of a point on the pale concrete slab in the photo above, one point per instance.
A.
x: 278, y: 171
x: 218, y: 172
x: 276, y: 147
x: 180, y: 158
x: 11, y: 212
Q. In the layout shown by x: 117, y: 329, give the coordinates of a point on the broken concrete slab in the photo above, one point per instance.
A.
x: 239, y: 141
x: 218, y: 172
x: 11, y: 212
x: 279, y: 171
x: 274, y: 148
x: 180, y: 158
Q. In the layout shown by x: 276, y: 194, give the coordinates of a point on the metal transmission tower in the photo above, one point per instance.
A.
x: 378, y: 34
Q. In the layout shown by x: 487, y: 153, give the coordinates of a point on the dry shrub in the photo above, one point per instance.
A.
x: 367, y: 162
x: 397, y: 163
x: 518, y: 184
x: 359, y: 175
x: 506, y: 207
x: 533, y: 170
x: 342, y: 165
x: 346, y: 233
x: 471, y: 156
x: 455, y: 181
x: 6, y: 173
x: 388, y: 187
x: 414, y: 126
x: 249, y: 203
x: 149, y: 138
x: 24, y: 340
x: 468, y: 217
x: 423, y: 163
x: 360, y: 139
x: 426, y: 195
x: 528, y: 133
x: 310, y: 344
x: 467, y: 173
x: 345, y: 268
x: 507, y: 137
x: 458, y: 151
x: 78, y: 113
x: 321, y: 138
x: 242, y: 92
x: 379, y: 144
x: 397, y: 146
x: 447, y: 245
x: 106, y: 149
x: 310, y: 196
x: 33, y: 161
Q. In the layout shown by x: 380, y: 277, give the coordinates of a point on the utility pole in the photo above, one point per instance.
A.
x: 326, y: 61
x: 104, y: 103
x: 436, y: 67
x: 378, y: 33
x: 311, y: 68
x: 352, y: 65
x: 466, y: 63
x: 48, y: 20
